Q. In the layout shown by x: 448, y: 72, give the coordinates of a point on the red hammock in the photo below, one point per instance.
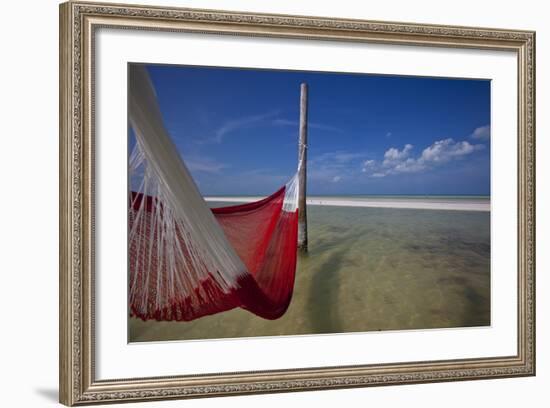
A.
x: 262, y: 234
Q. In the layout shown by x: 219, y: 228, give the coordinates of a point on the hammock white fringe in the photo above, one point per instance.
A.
x: 190, y: 245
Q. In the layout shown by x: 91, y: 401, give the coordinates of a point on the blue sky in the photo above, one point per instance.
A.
x: 237, y: 130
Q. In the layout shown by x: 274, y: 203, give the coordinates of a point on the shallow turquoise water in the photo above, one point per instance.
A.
x: 369, y: 269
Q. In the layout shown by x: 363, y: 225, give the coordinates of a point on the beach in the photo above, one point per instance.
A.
x: 407, y: 202
x: 370, y: 268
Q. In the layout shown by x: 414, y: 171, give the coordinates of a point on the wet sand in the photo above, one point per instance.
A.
x: 369, y: 269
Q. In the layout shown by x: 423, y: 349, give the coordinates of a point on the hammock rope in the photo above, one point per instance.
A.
x: 187, y: 260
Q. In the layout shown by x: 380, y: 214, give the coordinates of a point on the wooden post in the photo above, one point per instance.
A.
x: 302, y: 171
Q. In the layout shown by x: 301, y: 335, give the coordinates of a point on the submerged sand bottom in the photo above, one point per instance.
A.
x: 369, y: 269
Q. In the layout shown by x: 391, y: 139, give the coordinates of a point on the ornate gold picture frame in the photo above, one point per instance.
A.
x: 79, y: 23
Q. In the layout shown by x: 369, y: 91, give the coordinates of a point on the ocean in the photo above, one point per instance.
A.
x: 370, y: 269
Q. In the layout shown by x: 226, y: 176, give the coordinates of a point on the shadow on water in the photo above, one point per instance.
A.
x: 337, y: 237
x: 478, y: 313
x: 326, y: 278
x: 323, y: 295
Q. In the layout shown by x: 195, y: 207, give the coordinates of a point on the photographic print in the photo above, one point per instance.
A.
x: 277, y: 202
x: 297, y: 203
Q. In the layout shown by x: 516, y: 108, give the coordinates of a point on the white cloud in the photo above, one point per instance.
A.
x: 400, y: 161
x: 285, y: 122
x: 334, y: 166
x: 482, y: 133
x: 367, y: 165
x: 268, y: 118
x: 444, y: 150
x: 240, y: 123
x: 346, y: 157
x: 204, y: 165
x: 409, y: 166
x: 337, y: 158
x: 310, y: 125
x: 394, y: 155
